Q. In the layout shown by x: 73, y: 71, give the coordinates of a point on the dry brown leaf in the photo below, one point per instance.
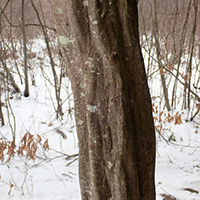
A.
x: 39, y: 139
x: 2, y: 156
x: 11, y: 151
x: 167, y: 119
x: 30, y: 138
x: 33, y: 158
x: 160, y: 115
x: 198, y: 106
x: 50, y: 123
x: 155, y: 118
x: 46, y: 145
x: 70, y: 110
x: 33, y: 148
x: 153, y: 107
x: 162, y: 70
x: 3, y: 146
x: 170, y: 67
x: 24, y: 139
x: 156, y: 109
x: 11, y: 186
x: 159, y: 128
x: 178, y: 119
x: 20, y: 151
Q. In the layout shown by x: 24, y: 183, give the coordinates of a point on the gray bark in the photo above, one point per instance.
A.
x: 26, y: 91
x: 100, y: 44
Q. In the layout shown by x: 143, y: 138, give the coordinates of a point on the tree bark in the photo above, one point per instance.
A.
x: 100, y: 44
x: 1, y: 112
x: 182, y: 41
x: 192, y: 44
x: 158, y: 52
x: 26, y: 91
x: 56, y: 82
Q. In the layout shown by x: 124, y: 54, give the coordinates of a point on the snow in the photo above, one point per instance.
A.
x: 52, y: 176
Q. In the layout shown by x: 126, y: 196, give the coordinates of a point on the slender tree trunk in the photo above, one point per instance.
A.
x: 1, y: 112
x: 100, y: 44
x: 189, y: 69
x: 2, y: 10
x: 26, y: 91
x: 157, y: 45
x: 182, y: 41
x: 13, y: 48
x: 56, y: 83
x: 174, y: 33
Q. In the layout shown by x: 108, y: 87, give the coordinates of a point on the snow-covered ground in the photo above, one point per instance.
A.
x: 54, y: 173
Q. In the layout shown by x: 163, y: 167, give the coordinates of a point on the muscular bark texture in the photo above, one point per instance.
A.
x: 100, y: 44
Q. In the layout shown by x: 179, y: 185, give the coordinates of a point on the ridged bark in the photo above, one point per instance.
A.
x: 100, y: 44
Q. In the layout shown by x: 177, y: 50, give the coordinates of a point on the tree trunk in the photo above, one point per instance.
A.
x: 1, y: 112
x: 56, y: 83
x: 158, y: 52
x: 193, y: 36
x: 26, y: 91
x: 100, y: 44
x: 182, y: 41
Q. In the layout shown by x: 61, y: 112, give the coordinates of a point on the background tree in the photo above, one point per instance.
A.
x: 100, y: 44
x: 155, y: 35
x: 26, y: 91
x: 177, y: 47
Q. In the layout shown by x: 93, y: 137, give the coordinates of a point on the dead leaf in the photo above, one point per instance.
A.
x: 160, y: 114
x: 156, y: 109
x: 11, y: 186
x: 162, y: 70
x: 178, y: 119
x: 198, y: 106
x: 50, y: 123
x: 20, y: 151
x: 24, y: 139
x: 70, y: 110
x: 168, y: 118
x: 3, y: 146
x: 11, y: 151
x: 155, y: 118
x: 32, y: 150
x: 39, y: 139
x: 170, y: 67
x: 46, y: 145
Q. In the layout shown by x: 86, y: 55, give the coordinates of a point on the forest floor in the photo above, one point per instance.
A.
x: 54, y: 173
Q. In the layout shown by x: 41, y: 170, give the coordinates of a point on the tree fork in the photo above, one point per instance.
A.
x: 100, y: 44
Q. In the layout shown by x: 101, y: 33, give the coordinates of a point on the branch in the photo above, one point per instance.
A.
x: 26, y: 25
x: 4, y: 7
x: 191, y: 119
x: 198, y: 98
